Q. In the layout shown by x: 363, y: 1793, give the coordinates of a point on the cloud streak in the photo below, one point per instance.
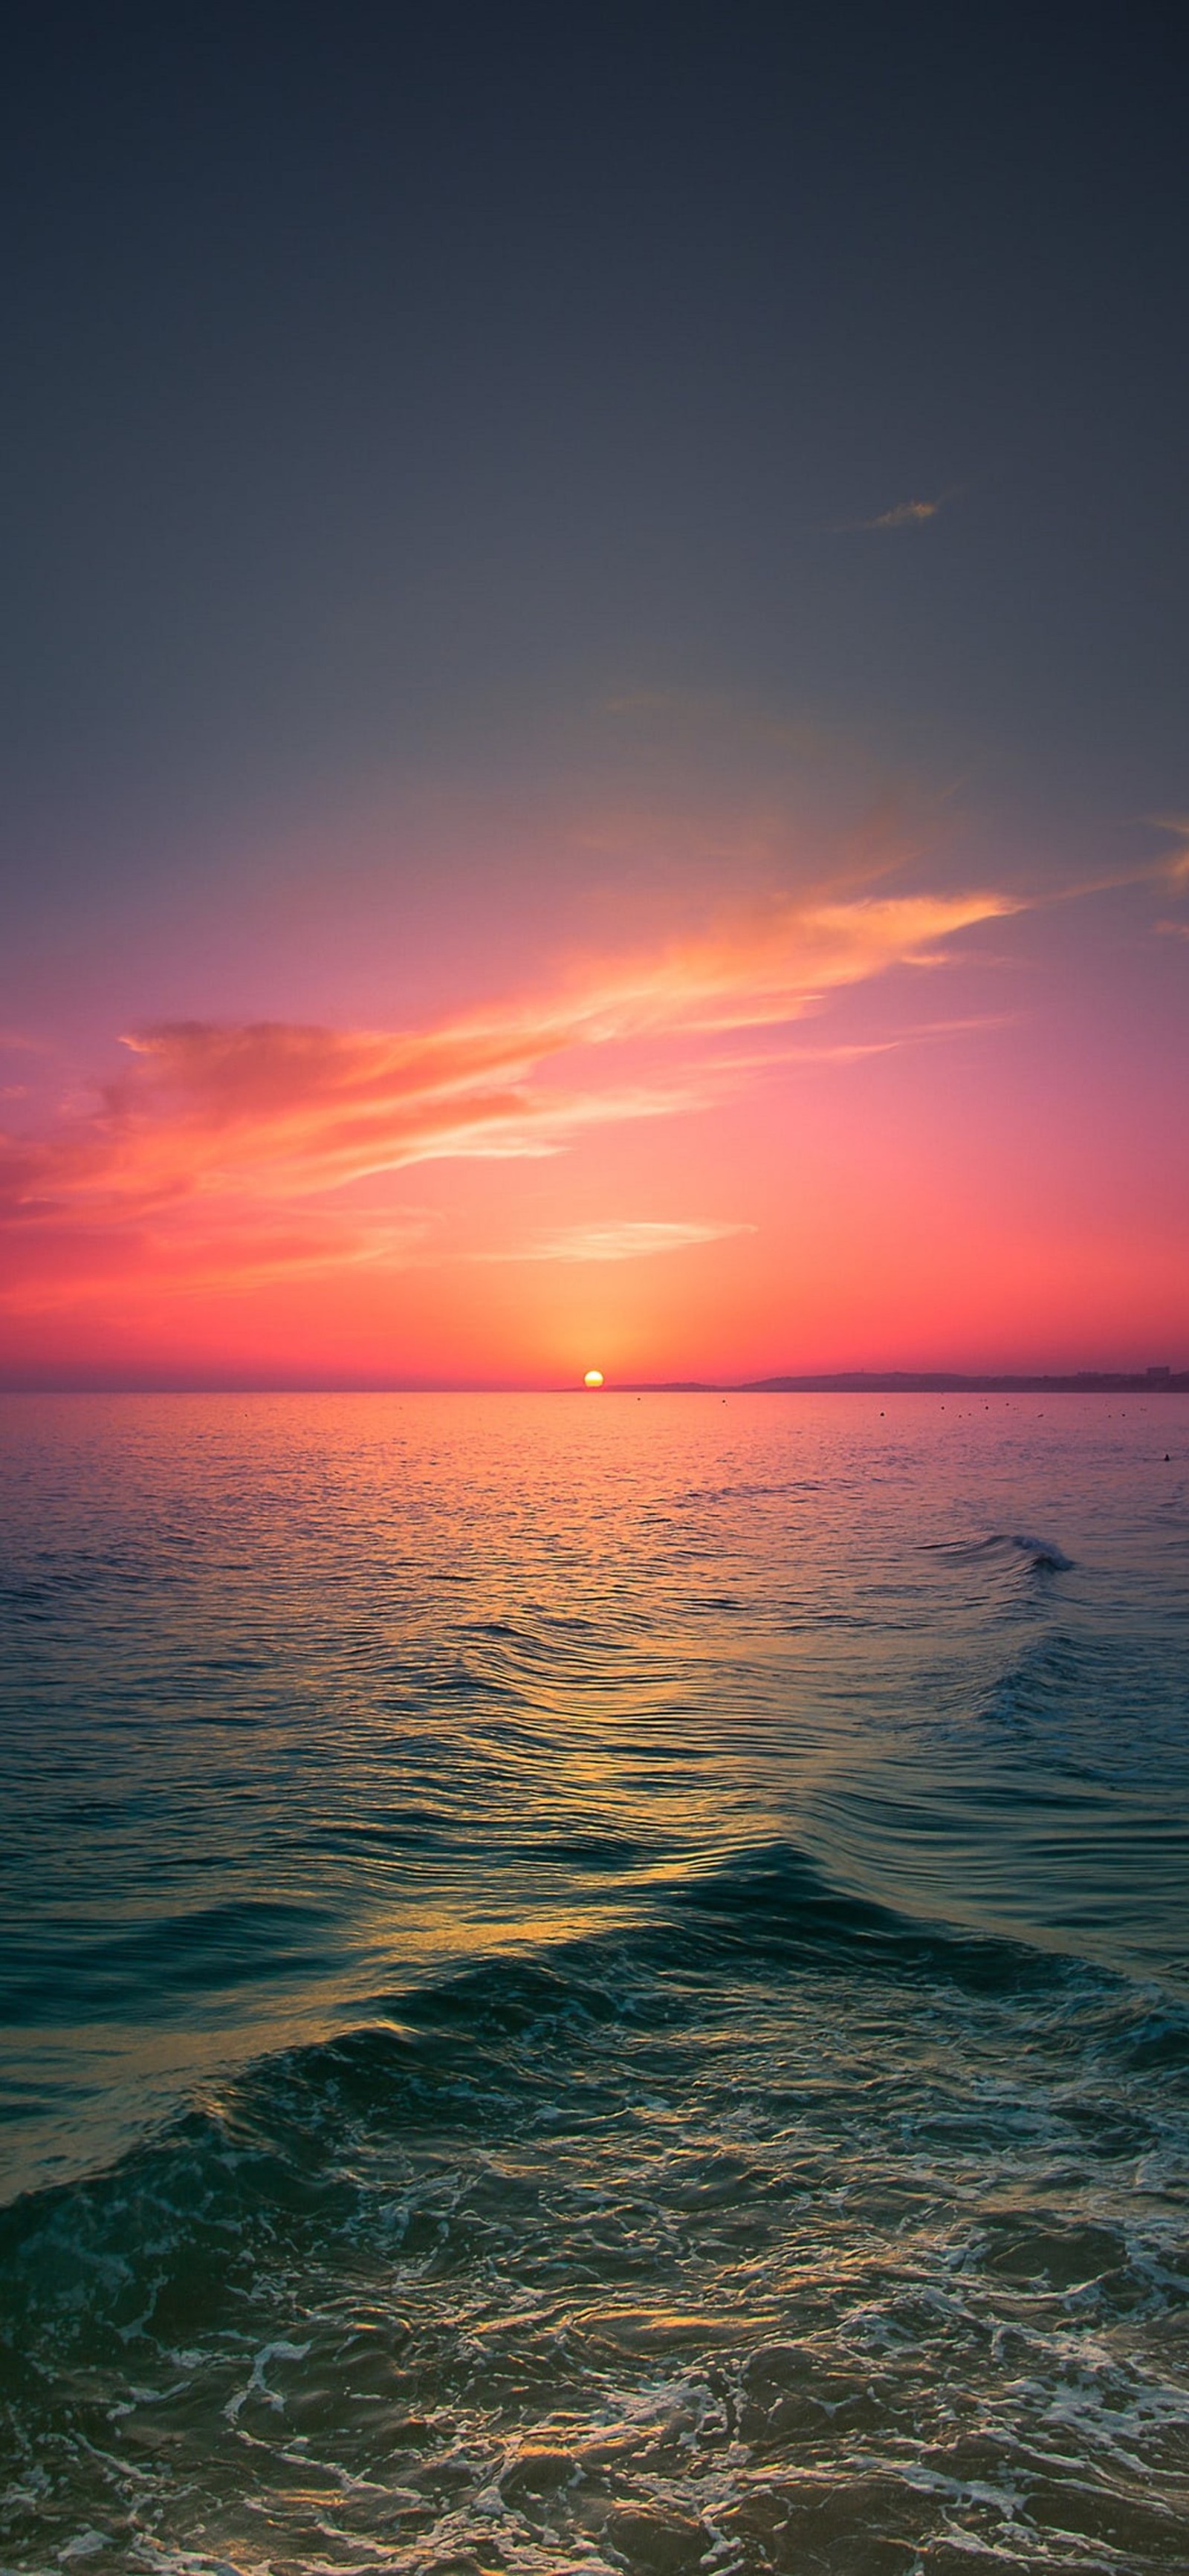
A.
x: 903, y: 514
x: 621, y: 1239
x: 906, y: 514
x: 222, y: 1151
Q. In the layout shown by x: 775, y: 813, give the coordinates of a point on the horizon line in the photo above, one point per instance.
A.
x: 1156, y: 1379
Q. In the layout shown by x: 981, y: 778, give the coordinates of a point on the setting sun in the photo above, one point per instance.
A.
x: 593, y: 1378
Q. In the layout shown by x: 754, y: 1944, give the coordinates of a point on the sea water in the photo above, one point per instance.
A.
x: 595, y: 1983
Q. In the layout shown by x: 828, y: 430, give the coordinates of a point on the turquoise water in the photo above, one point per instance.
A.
x: 595, y: 1983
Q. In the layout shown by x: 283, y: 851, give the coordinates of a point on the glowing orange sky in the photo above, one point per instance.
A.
x: 853, y: 1121
x: 596, y: 736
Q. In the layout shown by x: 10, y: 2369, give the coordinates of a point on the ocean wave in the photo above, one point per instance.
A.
x: 610, y: 2047
x: 1004, y: 1547
x: 771, y: 1916
x: 783, y: 2233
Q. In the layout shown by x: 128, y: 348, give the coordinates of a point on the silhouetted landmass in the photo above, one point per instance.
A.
x: 1152, y: 1381
x: 943, y: 1382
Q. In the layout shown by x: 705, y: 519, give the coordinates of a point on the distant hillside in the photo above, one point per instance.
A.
x: 1152, y: 1381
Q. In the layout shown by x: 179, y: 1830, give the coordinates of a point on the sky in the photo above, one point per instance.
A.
x: 594, y: 754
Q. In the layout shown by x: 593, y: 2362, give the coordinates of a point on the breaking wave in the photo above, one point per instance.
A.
x: 785, y: 2231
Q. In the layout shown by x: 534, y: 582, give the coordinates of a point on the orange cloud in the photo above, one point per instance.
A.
x: 906, y: 514
x: 170, y: 1179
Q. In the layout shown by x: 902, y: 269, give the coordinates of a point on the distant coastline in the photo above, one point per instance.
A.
x: 1152, y: 1381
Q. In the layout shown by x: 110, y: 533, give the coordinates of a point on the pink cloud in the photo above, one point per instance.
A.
x: 217, y: 1156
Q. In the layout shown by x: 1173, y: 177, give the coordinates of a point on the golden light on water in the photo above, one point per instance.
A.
x: 593, y: 1377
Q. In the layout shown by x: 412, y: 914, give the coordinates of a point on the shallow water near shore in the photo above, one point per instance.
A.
x: 595, y: 1983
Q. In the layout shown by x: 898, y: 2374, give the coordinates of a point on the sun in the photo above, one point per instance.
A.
x: 593, y: 1378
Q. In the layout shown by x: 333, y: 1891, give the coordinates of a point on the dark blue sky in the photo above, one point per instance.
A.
x: 388, y: 388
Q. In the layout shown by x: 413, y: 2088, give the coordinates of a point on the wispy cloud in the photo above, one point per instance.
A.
x: 1177, y: 867
x: 905, y: 514
x: 902, y: 514
x: 620, y: 1239
x: 1175, y: 870
x: 223, y: 1151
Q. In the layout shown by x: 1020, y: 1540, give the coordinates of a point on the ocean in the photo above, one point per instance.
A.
x: 595, y: 1983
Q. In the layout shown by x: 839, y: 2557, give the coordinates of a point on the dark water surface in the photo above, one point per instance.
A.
x: 595, y: 1984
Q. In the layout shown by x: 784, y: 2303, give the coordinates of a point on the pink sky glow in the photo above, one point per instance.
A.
x: 837, y: 1126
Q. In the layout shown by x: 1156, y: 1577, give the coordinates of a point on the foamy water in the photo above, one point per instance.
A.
x: 596, y: 1983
